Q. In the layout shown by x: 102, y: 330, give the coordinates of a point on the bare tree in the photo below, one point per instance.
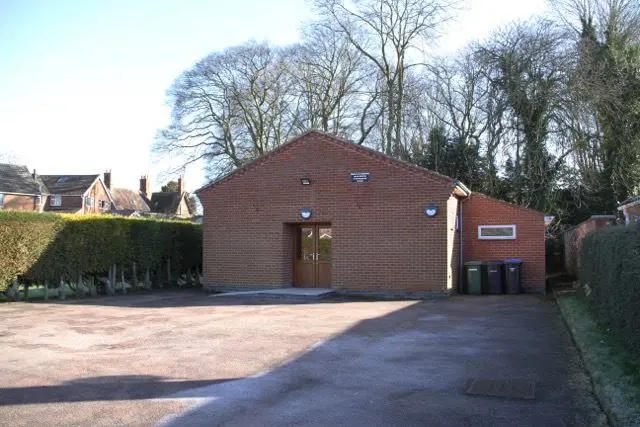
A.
x: 390, y: 34
x: 330, y: 80
x: 231, y: 107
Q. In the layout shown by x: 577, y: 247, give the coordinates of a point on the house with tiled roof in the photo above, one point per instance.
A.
x: 25, y: 191
x: 168, y: 204
x: 19, y: 189
x: 631, y: 209
x: 79, y: 194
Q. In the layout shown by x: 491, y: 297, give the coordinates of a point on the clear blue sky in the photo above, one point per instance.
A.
x: 82, y: 83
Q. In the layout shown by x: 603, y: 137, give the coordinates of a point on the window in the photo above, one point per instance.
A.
x: 38, y: 200
x: 496, y: 232
x: 89, y: 202
x: 55, y: 201
x: 1, y: 200
x: 103, y: 204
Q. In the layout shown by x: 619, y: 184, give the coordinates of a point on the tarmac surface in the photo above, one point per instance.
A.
x: 179, y: 358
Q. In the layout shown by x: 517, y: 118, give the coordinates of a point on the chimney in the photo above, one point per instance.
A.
x: 145, y: 186
x: 181, y: 185
x: 34, y: 174
x: 107, y: 179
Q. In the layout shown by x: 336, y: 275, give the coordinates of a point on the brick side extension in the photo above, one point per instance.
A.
x: 529, y: 244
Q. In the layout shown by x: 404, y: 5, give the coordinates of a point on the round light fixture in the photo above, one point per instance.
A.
x: 431, y: 210
x: 305, y: 213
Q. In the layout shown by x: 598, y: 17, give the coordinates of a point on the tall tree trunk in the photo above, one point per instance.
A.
x: 147, y: 279
x: 26, y: 292
x: 399, y: 114
x: 45, y: 294
x: 124, y: 288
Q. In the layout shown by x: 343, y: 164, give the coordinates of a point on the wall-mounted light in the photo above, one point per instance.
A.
x: 431, y: 210
x: 305, y: 181
x: 305, y: 213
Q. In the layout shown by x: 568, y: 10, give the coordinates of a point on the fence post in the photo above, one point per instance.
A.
x: 61, y: 292
x: 124, y: 288
x: 79, y: 287
x: 169, y: 271
x: 12, y: 292
x: 135, y: 276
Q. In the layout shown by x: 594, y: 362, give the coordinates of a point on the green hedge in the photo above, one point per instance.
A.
x: 39, y: 247
x: 610, y: 269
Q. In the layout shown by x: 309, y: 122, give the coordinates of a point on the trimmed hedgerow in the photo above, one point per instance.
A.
x: 610, y: 272
x: 41, y: 247
x: 24, y: 238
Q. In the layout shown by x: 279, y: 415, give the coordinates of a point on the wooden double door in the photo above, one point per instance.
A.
x: 312, y: 256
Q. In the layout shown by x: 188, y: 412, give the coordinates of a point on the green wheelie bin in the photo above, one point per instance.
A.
x: 474, y: 276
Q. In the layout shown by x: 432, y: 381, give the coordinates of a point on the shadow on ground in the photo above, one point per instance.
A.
x: 126, y: 387
x: 412, y: 367
x: 409, y: 367
x: 196, y: 298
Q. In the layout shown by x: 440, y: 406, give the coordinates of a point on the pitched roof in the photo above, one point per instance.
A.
x: 17, y: 179
x: 69, y: 185
x: 330, y: 138
x: 165, y: 202
x: 129, y: 200
x: 631, y: 201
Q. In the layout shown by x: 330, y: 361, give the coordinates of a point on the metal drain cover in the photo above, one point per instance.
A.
x: 514, y: 389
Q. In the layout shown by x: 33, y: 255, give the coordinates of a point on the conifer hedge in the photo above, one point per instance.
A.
x: 610, y: 271
x: 46, y: 247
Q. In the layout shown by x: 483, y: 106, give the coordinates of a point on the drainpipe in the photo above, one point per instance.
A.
x: 461, y: 236
x: 461, y: 254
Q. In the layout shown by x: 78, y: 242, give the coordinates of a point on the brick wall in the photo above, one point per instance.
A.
x: 573, y: 240
x: 97, y: 192
x: 20, y: 203
x: 382, y: 240
x: 528, y: 245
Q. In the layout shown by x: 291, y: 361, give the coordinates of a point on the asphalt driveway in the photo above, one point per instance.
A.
x: 197, y: 360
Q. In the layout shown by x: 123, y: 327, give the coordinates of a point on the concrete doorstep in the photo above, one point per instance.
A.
x: 297, y: 293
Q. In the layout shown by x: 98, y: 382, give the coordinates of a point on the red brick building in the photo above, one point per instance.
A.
x: 323, y: 212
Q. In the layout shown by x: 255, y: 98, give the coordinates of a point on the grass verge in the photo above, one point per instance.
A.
x: 614, y: 371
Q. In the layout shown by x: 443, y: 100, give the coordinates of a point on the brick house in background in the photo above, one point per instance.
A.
x: 129, y: 202
x: 631, y: 210
x: 25, y: 191
x: 20, y: 190
x: 79, y: 194
x: 172, y: 203
x: 320, y: 211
